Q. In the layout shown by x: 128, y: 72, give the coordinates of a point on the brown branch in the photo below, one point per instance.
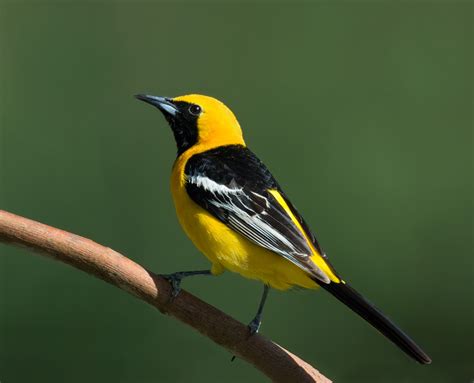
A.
x: 273, y: 360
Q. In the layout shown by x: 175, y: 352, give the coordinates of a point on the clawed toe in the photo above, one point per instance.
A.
x: 176, y: 278
x: 254, y: 326
x: 175, y: 282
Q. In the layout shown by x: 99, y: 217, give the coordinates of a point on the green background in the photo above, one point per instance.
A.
x: 362, y: 110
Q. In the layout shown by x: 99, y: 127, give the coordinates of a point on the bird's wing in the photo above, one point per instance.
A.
x: 234, y: 186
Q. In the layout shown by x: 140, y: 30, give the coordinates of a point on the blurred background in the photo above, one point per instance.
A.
x: 364, y: 113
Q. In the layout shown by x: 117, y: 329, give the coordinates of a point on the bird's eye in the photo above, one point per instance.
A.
x: 195, y: 110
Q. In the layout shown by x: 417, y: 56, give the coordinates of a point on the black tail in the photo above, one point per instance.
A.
x: 374, y: 316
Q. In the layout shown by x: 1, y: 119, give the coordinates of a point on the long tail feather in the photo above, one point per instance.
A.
x: 347, y: 295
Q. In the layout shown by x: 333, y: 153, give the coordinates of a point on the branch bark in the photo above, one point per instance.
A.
x: 273, y: 360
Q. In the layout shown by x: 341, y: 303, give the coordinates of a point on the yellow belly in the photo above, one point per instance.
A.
x: 227, y: 249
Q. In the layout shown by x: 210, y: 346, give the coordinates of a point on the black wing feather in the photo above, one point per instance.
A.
x: 233, y: 184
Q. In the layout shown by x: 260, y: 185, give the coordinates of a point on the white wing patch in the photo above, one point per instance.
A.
x: 255, y: 224
x: 212, y: 186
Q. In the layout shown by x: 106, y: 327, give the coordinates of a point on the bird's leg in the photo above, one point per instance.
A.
x: 254, y: 326
x: 176, y: 278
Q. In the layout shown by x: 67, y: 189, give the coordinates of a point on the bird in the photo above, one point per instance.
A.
x: 235, y: 212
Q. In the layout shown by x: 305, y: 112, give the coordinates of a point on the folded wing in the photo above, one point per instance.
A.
x: 234, y: 186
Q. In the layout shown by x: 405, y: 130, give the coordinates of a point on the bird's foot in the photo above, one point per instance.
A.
x: 176, y: 278
x: 175, y: 281
x: 254, y: 326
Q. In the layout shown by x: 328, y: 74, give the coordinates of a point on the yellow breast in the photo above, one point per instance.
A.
x: 225, y: 248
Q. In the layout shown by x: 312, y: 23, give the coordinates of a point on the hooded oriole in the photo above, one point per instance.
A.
x: 234, y: 211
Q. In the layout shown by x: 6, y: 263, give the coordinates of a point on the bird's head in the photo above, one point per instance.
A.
x: 198, y: 120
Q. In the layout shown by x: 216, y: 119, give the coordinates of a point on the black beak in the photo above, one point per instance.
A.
x: 162, y: 103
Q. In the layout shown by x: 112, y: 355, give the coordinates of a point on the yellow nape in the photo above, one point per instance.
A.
x: 217, y: 125
x: 224, y: 247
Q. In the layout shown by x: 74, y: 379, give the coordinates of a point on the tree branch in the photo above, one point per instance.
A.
x: 273, y: 360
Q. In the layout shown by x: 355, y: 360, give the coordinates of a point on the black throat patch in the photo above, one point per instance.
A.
x: 184, y: 127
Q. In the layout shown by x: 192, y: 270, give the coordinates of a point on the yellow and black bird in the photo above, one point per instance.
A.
x: 235, y: 212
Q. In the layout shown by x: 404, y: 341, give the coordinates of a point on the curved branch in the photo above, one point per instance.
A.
x: 273, y: 360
